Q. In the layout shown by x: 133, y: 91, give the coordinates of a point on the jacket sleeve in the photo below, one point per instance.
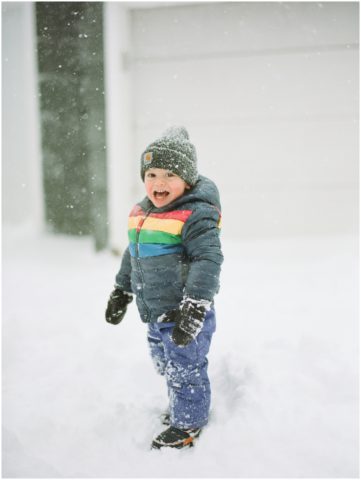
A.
x: 203, y: 247
x: 122, y: 279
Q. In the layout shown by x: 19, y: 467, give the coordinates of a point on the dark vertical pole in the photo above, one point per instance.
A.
x: 65, y: 168
x: 70, y: 53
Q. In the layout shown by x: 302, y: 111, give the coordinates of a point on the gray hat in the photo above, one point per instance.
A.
x: 172, y: 151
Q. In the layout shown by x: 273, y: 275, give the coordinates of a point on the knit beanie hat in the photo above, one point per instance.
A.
x: 172, y: 151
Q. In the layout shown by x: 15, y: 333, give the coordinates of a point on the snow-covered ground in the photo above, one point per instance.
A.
x: 81, y: 398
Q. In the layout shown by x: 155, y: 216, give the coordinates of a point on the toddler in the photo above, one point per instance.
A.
x: 172, y: 266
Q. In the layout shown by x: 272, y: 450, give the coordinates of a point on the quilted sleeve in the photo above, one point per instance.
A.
x: 122, y: 279
x: 201, y: 239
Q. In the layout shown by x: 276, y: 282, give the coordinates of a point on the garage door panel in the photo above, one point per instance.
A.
x: 254, y: 214
x: 220, y: 27
x: 306, y: 154
x: 246, y: 88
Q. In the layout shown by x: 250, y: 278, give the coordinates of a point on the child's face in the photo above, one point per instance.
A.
x: 163, y: 186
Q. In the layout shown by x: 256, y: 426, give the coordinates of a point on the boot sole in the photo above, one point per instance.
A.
x: 185, y: 443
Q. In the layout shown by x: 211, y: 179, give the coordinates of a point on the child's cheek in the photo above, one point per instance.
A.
x: 148, y: 189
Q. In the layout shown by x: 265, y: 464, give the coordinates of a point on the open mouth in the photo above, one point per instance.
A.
x: 160, y: 195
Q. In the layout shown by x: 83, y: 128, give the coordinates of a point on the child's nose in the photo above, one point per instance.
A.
x: 160, y: 181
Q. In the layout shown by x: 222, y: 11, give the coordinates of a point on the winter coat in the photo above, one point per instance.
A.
x: 173, y: 251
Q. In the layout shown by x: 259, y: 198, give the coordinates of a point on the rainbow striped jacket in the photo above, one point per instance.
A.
x: 173, y: 251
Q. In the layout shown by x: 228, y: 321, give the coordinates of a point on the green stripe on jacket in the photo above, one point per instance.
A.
x: 154, y: 236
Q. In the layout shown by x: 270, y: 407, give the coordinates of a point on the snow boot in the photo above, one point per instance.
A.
x: 175, y: 438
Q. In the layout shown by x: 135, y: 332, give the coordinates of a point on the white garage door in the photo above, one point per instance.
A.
x: 268, y: 92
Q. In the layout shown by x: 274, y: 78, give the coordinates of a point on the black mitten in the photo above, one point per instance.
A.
x: 117, y: 306
x: 188, y: 320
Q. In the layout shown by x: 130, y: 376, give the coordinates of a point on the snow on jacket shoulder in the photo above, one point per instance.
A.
x: 174, y: 250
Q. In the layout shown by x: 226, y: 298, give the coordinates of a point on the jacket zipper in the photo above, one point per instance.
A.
x: 139, y: 227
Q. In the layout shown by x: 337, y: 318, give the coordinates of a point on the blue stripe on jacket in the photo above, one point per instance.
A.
x: 153, y: 249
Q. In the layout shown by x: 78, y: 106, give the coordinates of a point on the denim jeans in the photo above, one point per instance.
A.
x: 185, y: 370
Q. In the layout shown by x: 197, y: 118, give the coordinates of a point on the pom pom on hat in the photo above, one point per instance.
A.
x: 176, y: 132
x: 172, y: 151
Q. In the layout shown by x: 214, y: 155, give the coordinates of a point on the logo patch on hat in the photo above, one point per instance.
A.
x: 148, y: 157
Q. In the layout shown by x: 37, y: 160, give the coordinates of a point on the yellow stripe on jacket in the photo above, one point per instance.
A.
x: 160, y: 224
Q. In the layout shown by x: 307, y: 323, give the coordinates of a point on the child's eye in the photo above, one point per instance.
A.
x: 150, y: 175
x: 170, y: 174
